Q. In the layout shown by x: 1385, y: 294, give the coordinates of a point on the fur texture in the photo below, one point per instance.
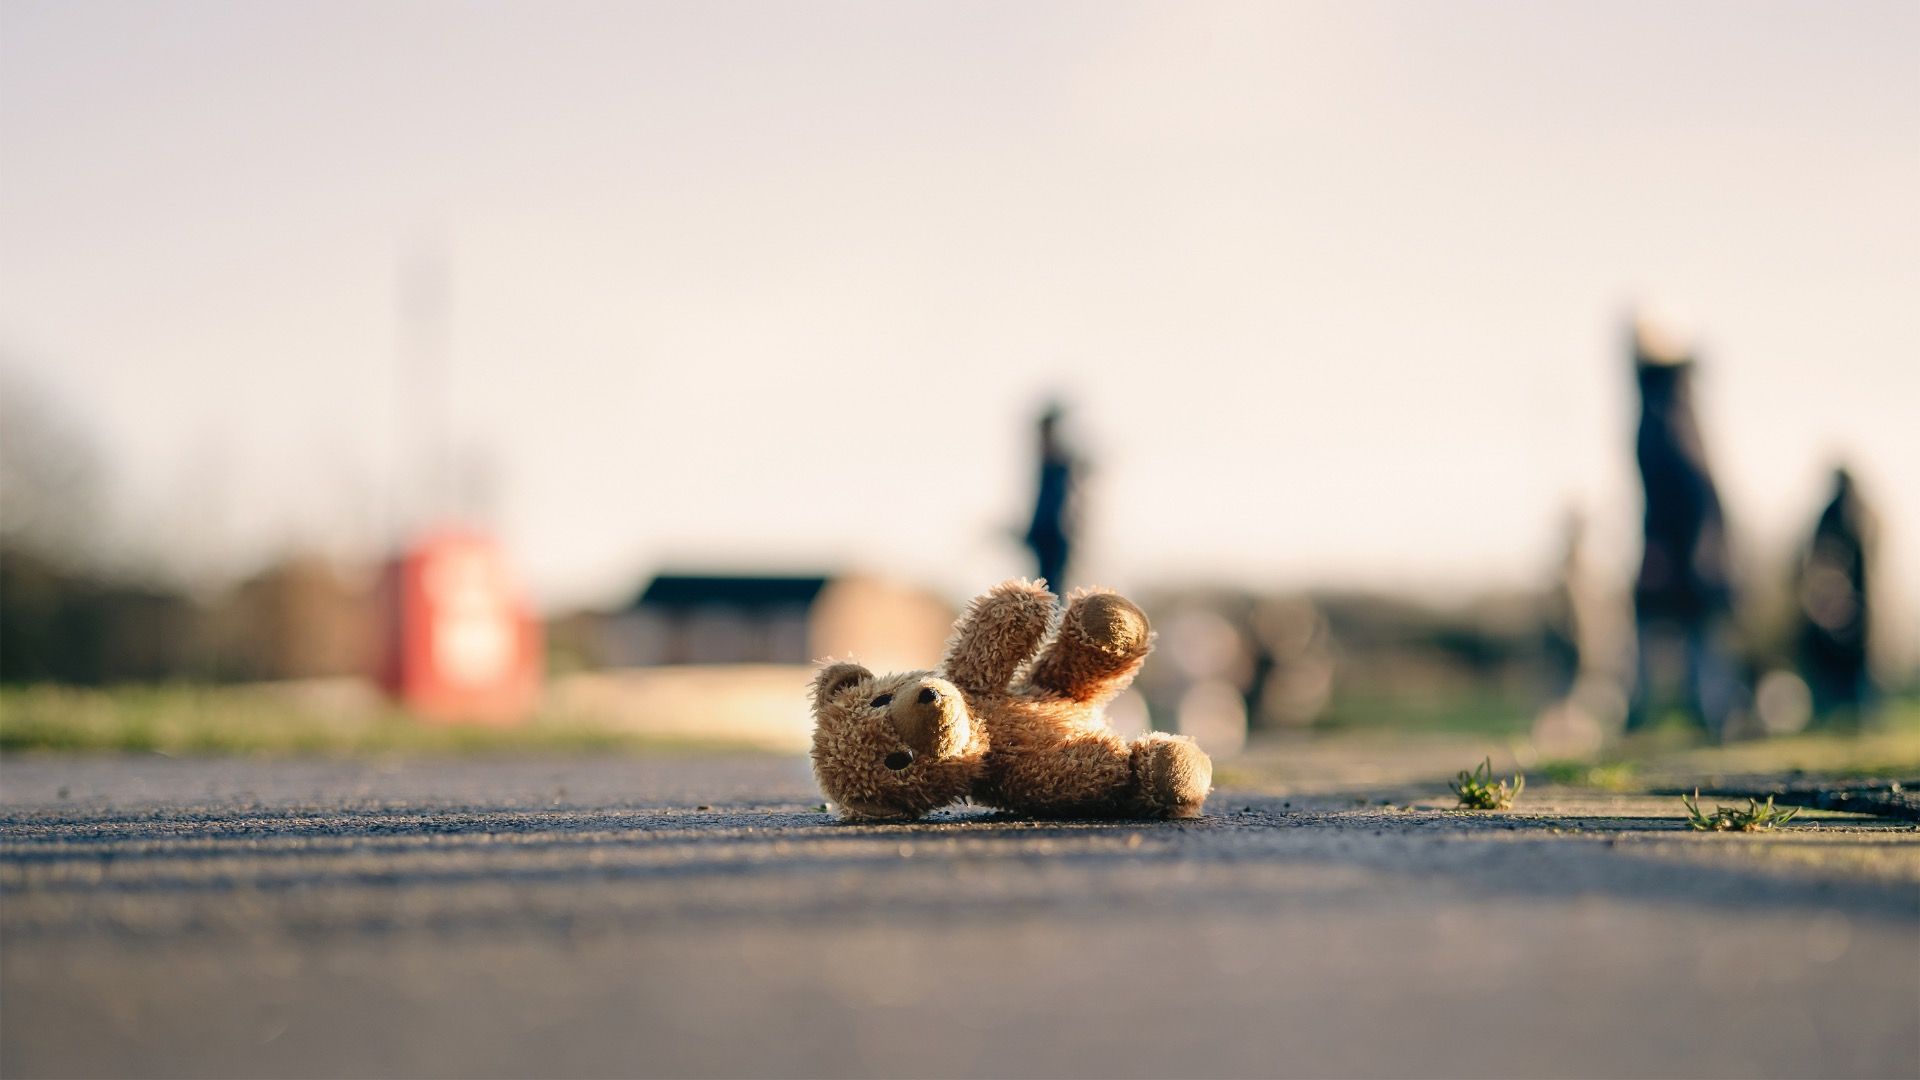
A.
x: 1004, y: 726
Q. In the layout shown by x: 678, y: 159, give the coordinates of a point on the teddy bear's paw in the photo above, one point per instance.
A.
x: 999, y: 632
x: 1103, y: 639
x: 1172, y: 776
x: 1110, y: 623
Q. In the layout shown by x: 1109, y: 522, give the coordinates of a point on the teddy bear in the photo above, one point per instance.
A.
x: 1005, y: 727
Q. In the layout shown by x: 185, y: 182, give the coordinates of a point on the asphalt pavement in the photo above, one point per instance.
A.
x: 704, y: 917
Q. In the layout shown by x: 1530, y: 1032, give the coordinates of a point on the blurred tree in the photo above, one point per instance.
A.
x: 50, y: 476
x: 63, y: 617
x: 58, y: 624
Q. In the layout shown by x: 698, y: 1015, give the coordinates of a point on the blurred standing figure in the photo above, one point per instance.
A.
x: 1834, y: 610
x: 1055, y: 518
x: 1684, y: 592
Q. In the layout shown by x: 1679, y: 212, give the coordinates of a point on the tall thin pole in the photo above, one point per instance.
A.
x: 421, y: 388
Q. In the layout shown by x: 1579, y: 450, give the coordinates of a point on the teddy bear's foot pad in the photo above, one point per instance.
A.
x: 1172, y: 776
x: 1111, y: 623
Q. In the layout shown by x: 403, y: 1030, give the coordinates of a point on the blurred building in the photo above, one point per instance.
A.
x: 302, y: 617
x: 776, y: 619
x: 728, y: 656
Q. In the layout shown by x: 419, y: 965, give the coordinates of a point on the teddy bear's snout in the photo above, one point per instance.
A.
x: 930, y: 719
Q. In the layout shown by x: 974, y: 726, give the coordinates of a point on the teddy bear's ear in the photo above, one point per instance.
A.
x: 834, y: 678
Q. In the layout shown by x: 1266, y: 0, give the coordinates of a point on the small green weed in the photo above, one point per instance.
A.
x: 1756, y: 817
x: 1478, y: 790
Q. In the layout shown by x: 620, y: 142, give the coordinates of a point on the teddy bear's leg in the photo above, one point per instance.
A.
x: 1090, y: 774
x: 998, y: 633
x: 1171, y: 776
x: 1102, y: 641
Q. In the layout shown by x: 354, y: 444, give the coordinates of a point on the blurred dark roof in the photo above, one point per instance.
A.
x: 695, y: 590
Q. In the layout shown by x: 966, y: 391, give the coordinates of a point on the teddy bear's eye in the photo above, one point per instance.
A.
x: 882, y: 701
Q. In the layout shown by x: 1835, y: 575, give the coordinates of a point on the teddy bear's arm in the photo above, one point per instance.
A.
x: 1103, y: 640
x: 999, y: 632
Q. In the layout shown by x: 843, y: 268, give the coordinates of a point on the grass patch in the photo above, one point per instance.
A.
x: 1889, y: 748
x: 204, y: 720
x: 1617, y: 776
x: 1478, y: 790
x: 1754, y: 817
x: 1468, y: 711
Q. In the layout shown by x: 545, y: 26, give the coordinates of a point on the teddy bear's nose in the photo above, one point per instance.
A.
x: 929, y: 717
x: 898, y: 760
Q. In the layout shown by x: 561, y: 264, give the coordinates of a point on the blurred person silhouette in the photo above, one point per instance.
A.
x: 1055, y: 525
x: 1683, y: 593
x: 1834, y: 606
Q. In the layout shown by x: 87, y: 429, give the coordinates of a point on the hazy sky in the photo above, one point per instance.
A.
x: 1335, y: 288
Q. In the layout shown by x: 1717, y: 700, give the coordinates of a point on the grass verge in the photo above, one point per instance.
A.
x: 271, y: 720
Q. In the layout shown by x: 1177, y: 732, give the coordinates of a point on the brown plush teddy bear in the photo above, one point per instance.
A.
x: 1003, y: 727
